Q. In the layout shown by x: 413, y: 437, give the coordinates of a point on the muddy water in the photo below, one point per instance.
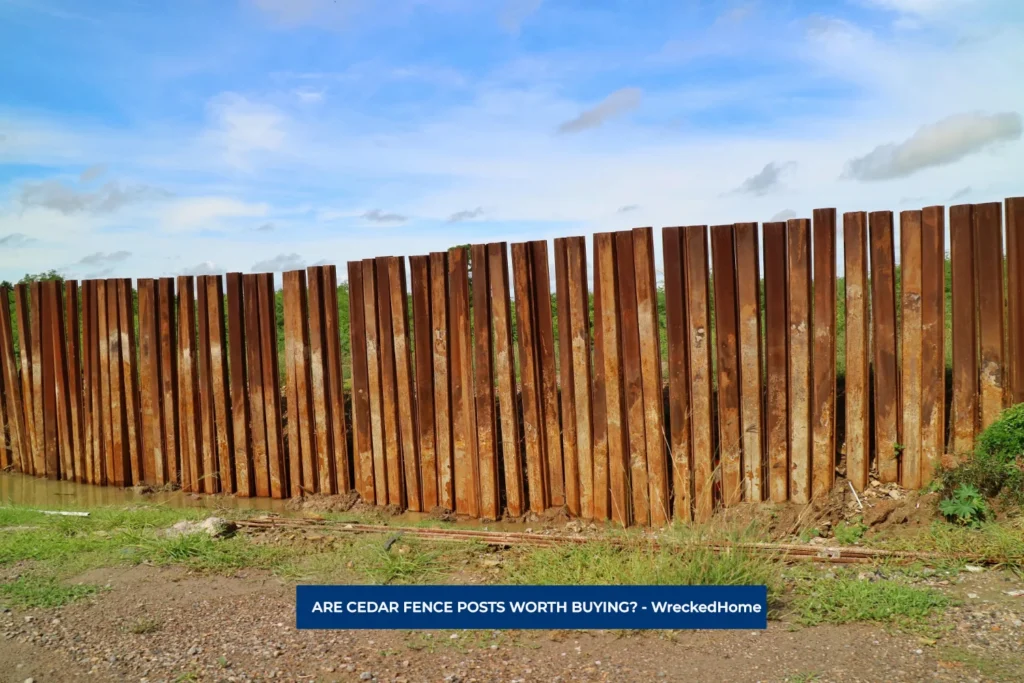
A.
x: 46, y: 494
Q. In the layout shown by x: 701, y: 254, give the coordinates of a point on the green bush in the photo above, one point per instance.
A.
x: 996, y: 468
x: 966, y: 506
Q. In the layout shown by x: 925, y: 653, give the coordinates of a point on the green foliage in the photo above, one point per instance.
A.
x: 846, y: 600
x: 43, y: 591
x: 966, y: 506
x: 996, y: 468
x: 848, y: 534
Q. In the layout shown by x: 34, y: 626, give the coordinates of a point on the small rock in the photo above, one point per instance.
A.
x: 972, y: 596
x: 30, y: 680
x: 366, y: 676
x: 1015, y: 594
x: 974, y: 570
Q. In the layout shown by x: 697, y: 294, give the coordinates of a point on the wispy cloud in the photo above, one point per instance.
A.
x: 937, y: 144
x: 378, y: 216
x: 92, y: 173
x: 279, y: 264
x: 466, y: 215
x: 960, y: 194
x: 15, y: 240
x: 203, y: 268
x: 515, y: 12
x: 100, y: 258
x: 266, y: 227
x: 766, y: 180
x: 57, y: 196
x: 784, y: 215
x: 616, y: 104
x: 628, y: 208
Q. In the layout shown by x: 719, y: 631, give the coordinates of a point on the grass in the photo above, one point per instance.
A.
x: 997, y: 542
x: 846, y: 600
x: 993, y: 666
x: 144, y: 627
x: 41, y: 590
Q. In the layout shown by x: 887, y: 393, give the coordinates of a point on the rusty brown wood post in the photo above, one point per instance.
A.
x: 1015, y: 297
x: 964, y: 410
x: 695, y: 238
x: 74, y: 374
x: 149, y: 384
x: 912, y: 348
x: 23, y: 320
x: 730, y: 443
x: 362, y: 440
x: 579, y: 331
x: 886, y: 377
x: 486, y: 437
x: 259, y: 479
x: 320, y: 416
x: 335, y: 379
x: 748, y: 282
x: 676, y: 322
x: 439, y: 307
x: 279, y: 484
x: 554, y: 474
x: 566, y: 385
x: 241, y: 430
x: 988, y: 250
x: 466, y: 464
x: 423, y: 344
x: 409, y: 445
x: 823, y: 361
x: 533, y: 437
x: 798, y: 252
x: 933, y: 338
x: 169, y: 380
x: 18, y: 436
x: 858, y: 349
x: 191, y: 427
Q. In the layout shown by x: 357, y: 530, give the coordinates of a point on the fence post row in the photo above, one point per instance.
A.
x: 456, y: 395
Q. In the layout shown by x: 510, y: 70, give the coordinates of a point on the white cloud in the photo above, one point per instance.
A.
x: 209, y: 212
x: 784, y: 215
x: 937, y: 144
x: 378, y: 216
x: 279, y: 264
x: 92, y: 173
x: 515, y: 12
x: 57, y: 196
x: 16, y: 240
x: 766, y: 180
x: 203, y: 268
x: 466, y: 215
x: 922, y: 7
x: 242, y: 128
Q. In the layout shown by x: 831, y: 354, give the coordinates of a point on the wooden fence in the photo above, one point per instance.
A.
x: 465, y: 399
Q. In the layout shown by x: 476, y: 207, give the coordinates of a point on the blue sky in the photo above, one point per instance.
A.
x: 143, y: 139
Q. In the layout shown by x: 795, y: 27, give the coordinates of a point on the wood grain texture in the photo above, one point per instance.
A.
x: 335, y: 380
x: 389, y: 387
x: 533, y: 437
x: 723, y: 265
x: 798, y: 252
x: 602, y: 498
x: 466, y: 464
x: 618, y: 466
x: 27, y: 408
x: 933, y: 340
x: 188, y: 377
x: 323, y: 446
x: 486, y: 438
x: 374, y: 381
x: 120, y: 471
x: 566, y: 385
x: 579, y: 332
x: 404, y: 383
x: 211, y: 481
x: 130, y: 378
x: 823, y: 361
x: 547, y: 373
x: 149, y: 384
x: 442, y: 377
x: 695, y: 240
x: 88, y: 327
x: 362, y: 434
x: 279, y: 484
x: 912, y: 348
x: 260, y: 474
x: 72, y: 326
x: 988, y: 252
x: 964, y: 410
x: 419, y: 275
x: 14, y: 405
x: 241, y: 429
x: 54, y: 295
x: 886, y: 377
x: 504, y: 370
x: 1014, y: 207
x: 97, y: 473
x: 632, y: 380
x: 677, y: 325
x: 858, y: 349
x: 45, y: 305
x: 40, y: 380
x: 169, y: 380
x: 748, y: 297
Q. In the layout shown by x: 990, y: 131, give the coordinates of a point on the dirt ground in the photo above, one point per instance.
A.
x: 163, y: 624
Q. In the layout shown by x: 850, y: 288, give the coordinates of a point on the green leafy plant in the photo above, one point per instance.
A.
x: 966, y: 506
x: 996, y: 468
x: 848, y: 534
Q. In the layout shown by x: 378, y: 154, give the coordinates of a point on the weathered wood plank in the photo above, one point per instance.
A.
x: 1015, y: 298
x: 933, y: 339
x: 602, y: 498
x: 730, y: 442
x: 567, y: 403
x: 389, y: 387
x: 169, y: 380
x: 40, y: 380
x: 632, y: 379
x: 320, y: 414
x: 823, y: 360
x: 466, y: 465
x: 419, y: 275
x: 88, y: 325
x: 579, y: 331
x: 189, y: 410
x: 618, y: 468
x: 486, y: 438
x: 335, y: 380
x: 858, y: 349
x: 17, y: 432
x: 74, y: 374
x: 53, y: 292
x: 912, y: 348
x: 239, y: 399
x: 44, y: 302
x: 964, y: 410
x: 23, y: 318
x: 374, y: 381
x: 886, y: 379
x: 533, y: 437
x: 120, y: 472
x: 130, y: 374
x: 302, y: 464
x: 149, y: 383
x: 748, y: 282
x: 442, y: 377
x: 259, y: 475
x: 798, y: 251
x: 547, y: 373
x: 279, y: 484
x: 99, y: 458
x: 211, y: 481
x: 404, y: 382
x: 362, y: 444
x: 677, y: 324
x: 695, y: 239
x: 504, y: 369
x: 988, y: 250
